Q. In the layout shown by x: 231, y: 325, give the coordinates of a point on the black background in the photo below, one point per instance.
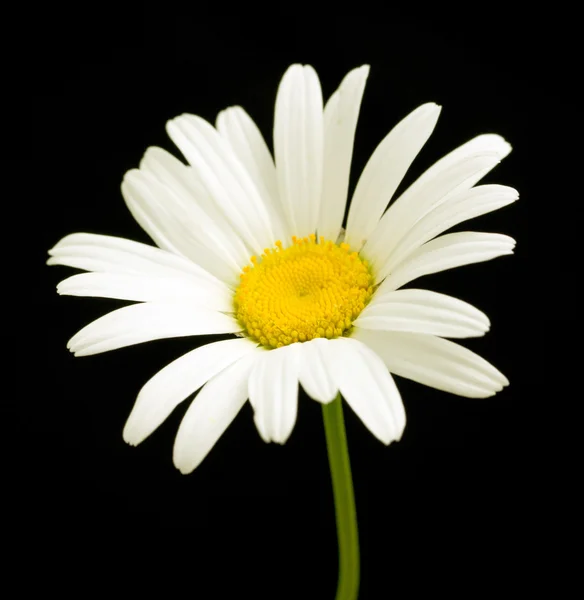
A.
x: 456, y: 504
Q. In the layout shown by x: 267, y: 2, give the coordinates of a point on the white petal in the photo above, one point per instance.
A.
x: 461, y: 207
x: 150, y: 288
x: 340, y: 121
x: 178, y: 229
x: 193, y: 203
x: 178, y: 380
x: 460, y: 170
x: 150, y: 321
x: 385, y: 170
x: 224, y: 178
x: 314, y: 374
x: 248, y: 144
x: 368, y: 388
x: 423, y: 311
x: 299, y: 147
x: 273, y: 392
x: 210, y: 413
x: 447, y: 252
x: 435, y: 362
x: 104, y: 253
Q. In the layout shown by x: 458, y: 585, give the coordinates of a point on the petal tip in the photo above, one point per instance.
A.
x: 130, y: 436
x: 502, y: 146
x: 171, y: 126
x: 182, y: 463
x: 293, y: 69
x: 365, y: 69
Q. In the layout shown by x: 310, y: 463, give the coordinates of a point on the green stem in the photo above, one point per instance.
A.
x: 346, y: 515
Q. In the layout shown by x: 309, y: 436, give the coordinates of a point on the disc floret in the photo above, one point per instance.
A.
x: 308, y: 290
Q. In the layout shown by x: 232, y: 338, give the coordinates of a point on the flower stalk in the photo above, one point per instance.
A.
x: 344, y: 498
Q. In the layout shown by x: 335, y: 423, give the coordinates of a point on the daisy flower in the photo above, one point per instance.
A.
x: 254, y: 245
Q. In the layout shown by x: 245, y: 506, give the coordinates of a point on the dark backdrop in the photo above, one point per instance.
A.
x: 452, y: 504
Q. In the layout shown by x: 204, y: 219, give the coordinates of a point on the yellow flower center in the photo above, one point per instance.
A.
x: 306, y: 291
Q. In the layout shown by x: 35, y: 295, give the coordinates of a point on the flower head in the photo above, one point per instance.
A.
x: 254, y: 247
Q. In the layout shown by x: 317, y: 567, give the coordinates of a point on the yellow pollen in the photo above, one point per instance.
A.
x: 305, y: 291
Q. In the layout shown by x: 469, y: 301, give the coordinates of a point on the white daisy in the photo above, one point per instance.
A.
x: 252, y: 247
